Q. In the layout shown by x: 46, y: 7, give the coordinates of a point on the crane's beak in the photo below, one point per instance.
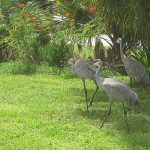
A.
x: 96, y: 60
x: 96, y: 63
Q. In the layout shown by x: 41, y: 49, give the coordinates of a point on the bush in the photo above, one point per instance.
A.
x: 25, y: 67
x: 56, y: 55
x: 22, y: 25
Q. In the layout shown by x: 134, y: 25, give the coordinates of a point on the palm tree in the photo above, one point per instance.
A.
x: 118, y: 19
x: 125, y: 18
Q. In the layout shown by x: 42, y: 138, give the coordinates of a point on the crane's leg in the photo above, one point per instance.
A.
x: 90, y: 104
x: 125, y: 115
x: 85, y: 90
x: 131, y: 82
x: 106, y: 115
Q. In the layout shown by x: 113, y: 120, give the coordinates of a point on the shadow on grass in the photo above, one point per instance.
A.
x: 91, y: 114
x: 139, y: 134
x: 80, y: 92
x: 139, y: 122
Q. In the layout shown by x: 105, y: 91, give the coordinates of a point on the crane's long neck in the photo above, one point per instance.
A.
x: 98, y: 78
x: 121, y: 51
x: 72, y: 65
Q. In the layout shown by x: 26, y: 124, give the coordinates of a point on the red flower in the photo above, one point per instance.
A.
x: 33, y: 18
x: 92, y: 10
x: 66, y: 14
x: 22, y: 5
x: 40, y: 26
x: 26, y: 14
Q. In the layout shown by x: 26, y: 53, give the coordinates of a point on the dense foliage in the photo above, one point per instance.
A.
x: 27, y: 25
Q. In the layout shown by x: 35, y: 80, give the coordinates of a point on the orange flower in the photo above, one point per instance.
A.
x: 66, y: 14
x: 26, y: 14
x: 22, y: 5
x: 33, y: 18
x: 92, y: 10
x: 40, y: 26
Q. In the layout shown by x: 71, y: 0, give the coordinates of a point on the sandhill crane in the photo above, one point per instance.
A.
x: 115, y: 90
x: 85, y: 70
x: 133, y: 68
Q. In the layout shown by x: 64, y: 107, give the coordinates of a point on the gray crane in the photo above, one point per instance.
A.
x: 116, y: 90
x: 133, y: 68
x: 85, y: 70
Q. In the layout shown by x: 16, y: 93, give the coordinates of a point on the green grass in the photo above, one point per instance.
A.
x: 48, y: 112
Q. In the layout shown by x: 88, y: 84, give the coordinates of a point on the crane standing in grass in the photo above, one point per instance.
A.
x: 134, y: 68
x: 85, y: 70
x: 115, y: 90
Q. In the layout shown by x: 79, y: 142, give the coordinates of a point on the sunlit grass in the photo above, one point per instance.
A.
x: 44, y: 111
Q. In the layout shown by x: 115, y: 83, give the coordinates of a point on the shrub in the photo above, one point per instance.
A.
x: 24, y: 23
x: 56, y: 54
x: 25, y: 67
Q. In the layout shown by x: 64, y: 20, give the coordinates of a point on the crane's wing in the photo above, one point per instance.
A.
x: 134, y: 65
x: 113, y: 82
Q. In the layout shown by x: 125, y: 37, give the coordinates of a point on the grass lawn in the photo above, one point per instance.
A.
x: 48, y: 112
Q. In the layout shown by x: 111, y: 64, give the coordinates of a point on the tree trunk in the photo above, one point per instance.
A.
x: 115, y: 48
x: 79, y: 47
